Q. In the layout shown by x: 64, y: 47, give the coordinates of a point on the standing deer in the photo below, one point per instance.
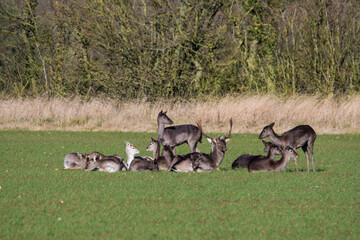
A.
x: 176, y: 135
x: 301, y: 136
x: 243, y: 160
x: 75, y: 161
x: 162, y: 161
x: 139, y: 163
x: 107, y: 164
x: 199, y: 162
x: 268, y: 164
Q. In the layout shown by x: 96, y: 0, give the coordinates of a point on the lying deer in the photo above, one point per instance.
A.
x: 243, y: 160
x: 265, y: 164
x: 163, y: 162
x: 301, y: 136
x: 107, y: 164
x: 202, y: 161
x: 176, y: 135
x: 75, y: 161
x: 96, y: 156
x: 139, y: 163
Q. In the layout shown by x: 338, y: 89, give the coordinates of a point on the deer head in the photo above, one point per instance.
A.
x: 219, y: 142
x: 163, y: 118
x: 266, y: 131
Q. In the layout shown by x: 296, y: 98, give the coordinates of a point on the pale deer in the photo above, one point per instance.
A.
x: 162, y: 161
x: 139, y: 163
x: 176, y: 135
x: 269, y: 164
x: 107, y: 164
x: 243, y: 160
x: 199, y: 162
x: 301, y: 136
x: 75, y: 161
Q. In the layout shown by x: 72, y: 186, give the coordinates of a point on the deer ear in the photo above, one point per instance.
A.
x: 209, y: 139
x: 152, y: 139
x: 79, y: 155
x: 227, y: 139
x: 272, y: 124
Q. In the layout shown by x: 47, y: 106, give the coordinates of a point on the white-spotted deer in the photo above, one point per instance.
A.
x: 75, y: 161
x: 139, y: 163
x: 163, y: 162
x: 243, y: 160
x: 176, y: 135
x: 301, y: 136
x: 107, y: 164
x: 269, y: 164
x: 199, y: 162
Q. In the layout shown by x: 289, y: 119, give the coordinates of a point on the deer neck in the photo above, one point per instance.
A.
x: 271, y: 155
x: 217, y: 156
x: 282, y: 163
x: 161, y: 127
x: 130, y: 158
x: 275, y: 139
x: 156, y: 153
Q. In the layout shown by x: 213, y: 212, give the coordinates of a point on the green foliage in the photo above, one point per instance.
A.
x: 187, y: 49
x: 40, y: 200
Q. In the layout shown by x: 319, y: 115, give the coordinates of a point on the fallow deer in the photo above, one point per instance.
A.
x: 107, y: 164
x: 243, y: 160
x: 139, y: 163
x: 269, y: 163
x: 75, y: 161
x: 162, y: 161
x: 176, y: 135
x: 202, y: 161
x: 96, y: 156
x: 302, y: 136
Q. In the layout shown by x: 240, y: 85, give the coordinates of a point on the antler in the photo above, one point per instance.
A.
x: 231, y: 123
x: 199, y: 124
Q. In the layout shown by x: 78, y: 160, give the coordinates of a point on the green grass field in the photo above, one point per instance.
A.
x: 40, y: 200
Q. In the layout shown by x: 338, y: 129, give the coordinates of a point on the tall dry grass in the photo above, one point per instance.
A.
x: 250, y: 114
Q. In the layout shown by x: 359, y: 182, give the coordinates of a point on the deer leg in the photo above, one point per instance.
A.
x: 312, y: 156
x: 295, y: 160
x: 307, y: 161
x: 173, y: 150
x: 304, y: 148
x: 193, y: 147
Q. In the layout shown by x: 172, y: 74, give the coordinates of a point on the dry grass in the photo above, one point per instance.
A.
x: 250, y: 114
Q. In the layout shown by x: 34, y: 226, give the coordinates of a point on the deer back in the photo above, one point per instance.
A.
x: 177, y: 135
x: 143, y: 164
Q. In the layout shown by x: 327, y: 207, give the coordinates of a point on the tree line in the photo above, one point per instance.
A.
x: 178, y: 48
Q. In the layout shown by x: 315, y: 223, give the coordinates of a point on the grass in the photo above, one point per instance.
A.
x: 39, y: 200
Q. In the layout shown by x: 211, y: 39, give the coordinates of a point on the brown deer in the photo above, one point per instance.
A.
x: 96, y: 156
x: 243, y: 160
x: 199, y: 162
x: 76, y: 161
x: 268, y: 164
x: 176, y: 135
x: 107, y: 164
x: 301, y: 136
x: 162, y: 161
x: 139, y: 163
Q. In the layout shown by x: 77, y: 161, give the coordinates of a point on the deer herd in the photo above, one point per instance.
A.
x: 169, y: 137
